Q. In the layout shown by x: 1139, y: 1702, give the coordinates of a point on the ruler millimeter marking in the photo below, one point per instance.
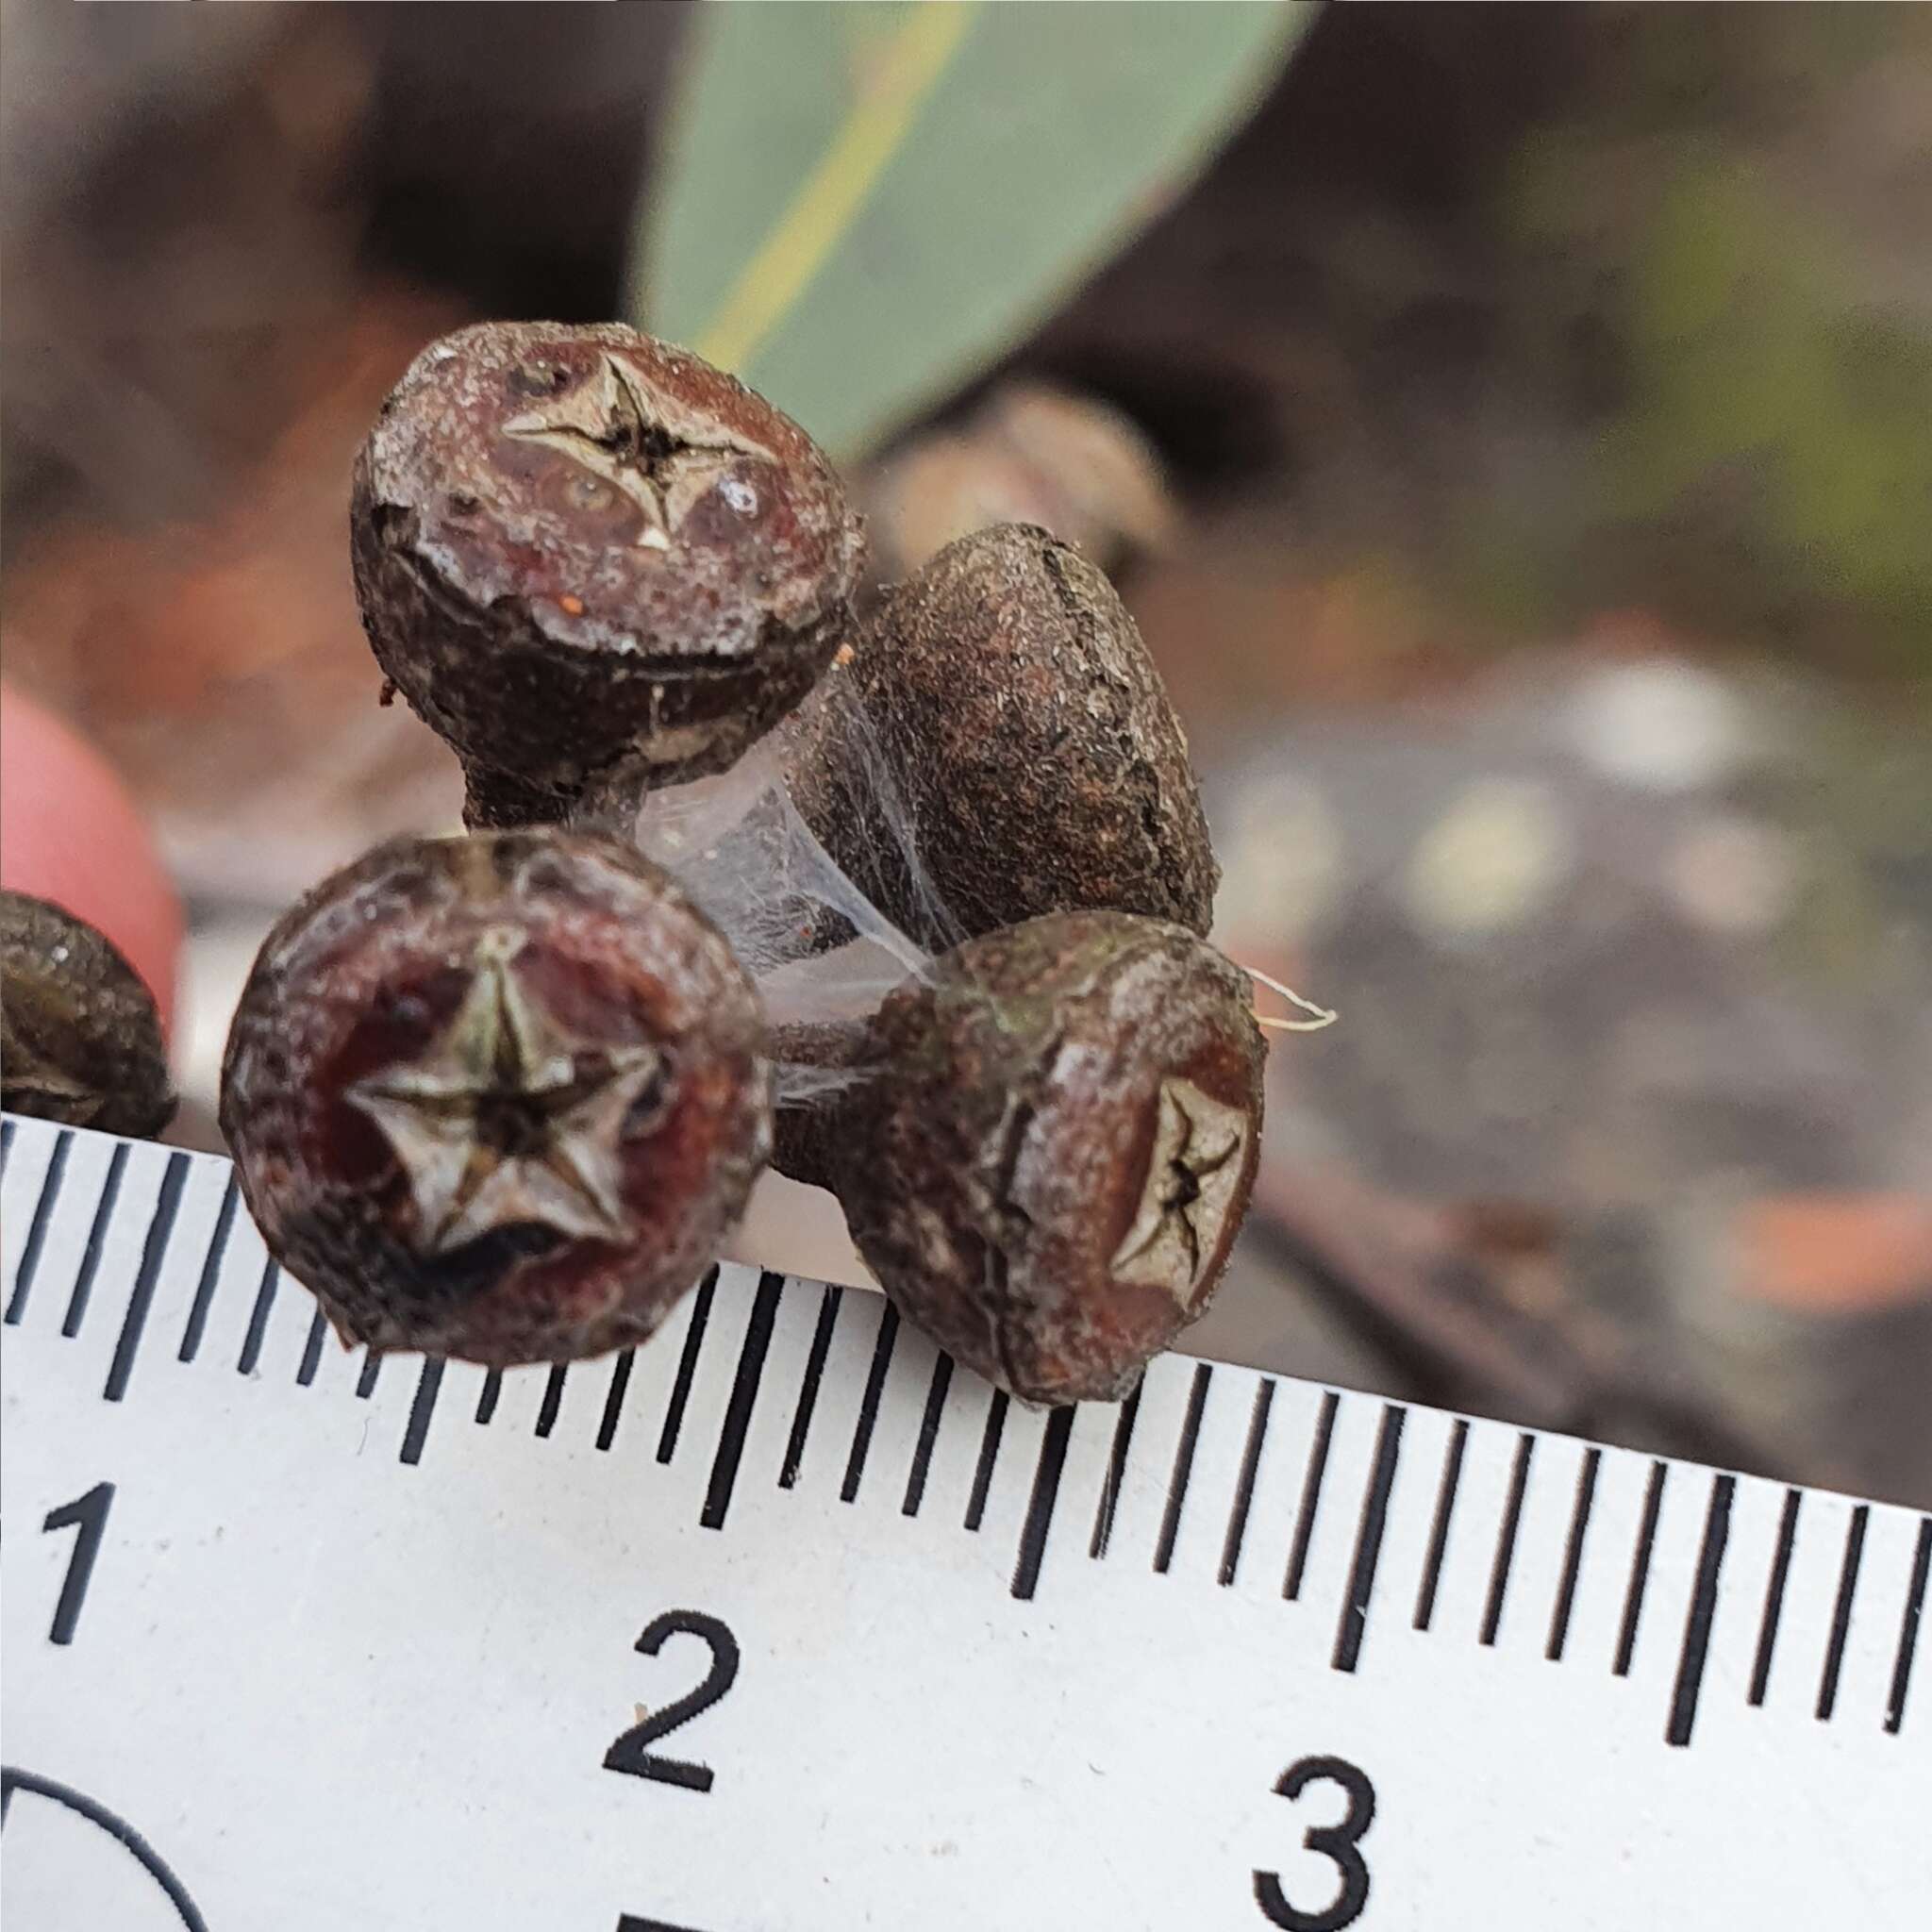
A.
x: 1370, y: 1506
x: 1409, y: 1559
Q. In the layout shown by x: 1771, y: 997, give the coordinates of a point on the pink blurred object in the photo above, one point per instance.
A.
x: 69, y: 832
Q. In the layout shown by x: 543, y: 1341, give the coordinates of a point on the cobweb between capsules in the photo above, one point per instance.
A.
x: 821, y: 955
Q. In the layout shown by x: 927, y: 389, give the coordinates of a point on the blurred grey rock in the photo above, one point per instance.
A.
x: 1634, y: 963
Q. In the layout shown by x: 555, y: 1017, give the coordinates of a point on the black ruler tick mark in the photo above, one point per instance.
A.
x: 686, y: 1366
x: 1368, y: 1539
x: 1183, y: 1467
x: 1311, y: 1496
x: 37, y: 1227
x: 311, y: 1351
x: 488, y: 1396
x: 551, y: 1404
x: 1505, y: 1537
x: 211, y: 1274
x: 96, y: 1240
x: 1711, y: 1556
x: 372, y: 1366
x: 1572, y: 1555
x: 1039, y: 1506
x: 1116, y: 1470
x: 613, y: 1400
x: 417, y: 1431
x: 1909, y: 1629
x: 808, y: 1386
x: 929, y: 1434
x: 1640, y: 1570
x: 1439, y: 1529
x: 1244, y: 1483
x: 1841, y: 1611
x: 152, y: 1254
x: 869, y: 1402
x: 1774, y: 1596
x: 744, y: 1396
x: 258, y: 1320
x: 988, y: 1454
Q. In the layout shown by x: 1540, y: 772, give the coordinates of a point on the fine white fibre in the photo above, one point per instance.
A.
x: 836, y: 731
x: 821, y: 953
x: 1270, y: 1023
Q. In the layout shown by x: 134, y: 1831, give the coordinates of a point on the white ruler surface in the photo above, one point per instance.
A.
x: 783, y: 1624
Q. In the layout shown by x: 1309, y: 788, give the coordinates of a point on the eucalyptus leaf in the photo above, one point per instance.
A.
x: 858, y: 206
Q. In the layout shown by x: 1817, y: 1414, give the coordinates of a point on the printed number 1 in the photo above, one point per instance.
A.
x: 89, y: 1515
x: 1335, y: 1842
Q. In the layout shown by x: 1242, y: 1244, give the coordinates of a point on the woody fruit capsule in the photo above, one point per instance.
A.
x: 577, y: 546
x: 999, y: 745
x: 497, y: 1096
x: 1050, y: 1147
x: 81, y: 1037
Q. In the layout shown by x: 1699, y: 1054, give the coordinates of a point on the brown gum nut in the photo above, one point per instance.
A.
x: 80, y: 1041
x: 498, y: 1097
x: 805, y: 1133
x: 1005, y: 693
x: 1051, y: 1164
x: 575, y: 544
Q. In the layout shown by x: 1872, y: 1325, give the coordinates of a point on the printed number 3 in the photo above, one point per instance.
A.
x: 629, y: 1753
x: 1334, y: 1842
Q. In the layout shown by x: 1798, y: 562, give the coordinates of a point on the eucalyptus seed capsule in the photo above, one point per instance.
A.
x: 1001, y: 746
x: 573, y: 546
x: 1051, y: 1151
x: 80, y: 1039
x: 498, y: 1097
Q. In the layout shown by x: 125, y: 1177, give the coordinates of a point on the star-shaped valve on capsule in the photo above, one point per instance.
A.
x: 1191, y: 1177
x: 607, y: 425
x: 505, y: 1119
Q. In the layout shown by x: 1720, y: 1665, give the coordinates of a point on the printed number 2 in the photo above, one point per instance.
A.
x: 629, y: 1753
x: 1334, y: 1842
x: 89, y: 1515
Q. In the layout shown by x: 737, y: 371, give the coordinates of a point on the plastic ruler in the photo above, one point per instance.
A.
x: 782, y: 1623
